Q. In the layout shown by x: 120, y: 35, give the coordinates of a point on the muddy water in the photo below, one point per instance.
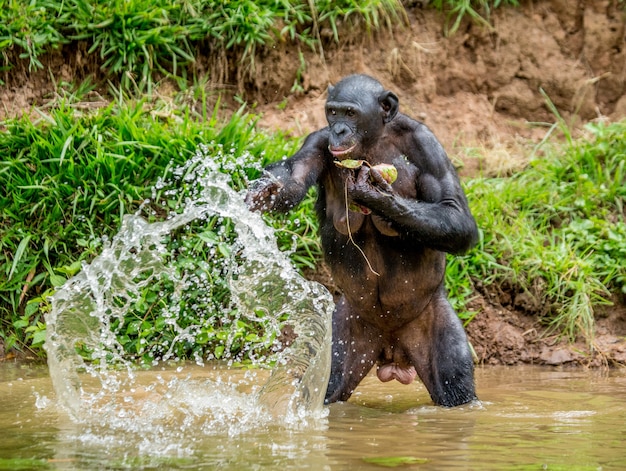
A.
x: 529, y: 419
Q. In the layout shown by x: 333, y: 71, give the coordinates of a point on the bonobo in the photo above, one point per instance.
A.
x: 385, y: 243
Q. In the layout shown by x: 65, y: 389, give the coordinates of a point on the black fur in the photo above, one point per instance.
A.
x: 389, y: 263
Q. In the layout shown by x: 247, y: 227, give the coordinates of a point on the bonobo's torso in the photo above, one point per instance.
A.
x: 407, y: 272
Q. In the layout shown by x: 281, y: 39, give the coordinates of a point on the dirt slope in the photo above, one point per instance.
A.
x: 479, y: 87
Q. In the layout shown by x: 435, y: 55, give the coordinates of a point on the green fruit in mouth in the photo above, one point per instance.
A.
x: 349, y: 163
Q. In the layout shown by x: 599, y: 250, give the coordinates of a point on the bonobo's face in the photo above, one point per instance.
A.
x: 355, y: 115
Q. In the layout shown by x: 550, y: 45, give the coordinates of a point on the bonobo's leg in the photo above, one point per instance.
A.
x: 437, y: 346
x: 356, y: 346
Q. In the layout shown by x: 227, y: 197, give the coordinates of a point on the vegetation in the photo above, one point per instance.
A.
x: 70, y: 177
x: 555, y: 231
x: 478, y: 10
x: 139, y: 40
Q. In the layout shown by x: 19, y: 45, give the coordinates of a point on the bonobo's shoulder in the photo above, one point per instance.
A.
x: 406, y: 126
x: 402, y: 124
x: 422, y: 146
x: 416, y: 133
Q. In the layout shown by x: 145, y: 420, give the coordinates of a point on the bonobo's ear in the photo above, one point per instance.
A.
x: 389, y: 103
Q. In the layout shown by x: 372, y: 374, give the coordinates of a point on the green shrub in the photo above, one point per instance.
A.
x: 70, y: 177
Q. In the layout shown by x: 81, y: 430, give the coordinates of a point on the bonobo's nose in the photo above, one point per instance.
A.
x: 340, y: 129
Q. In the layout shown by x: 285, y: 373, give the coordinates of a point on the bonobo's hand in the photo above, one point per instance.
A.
x: 369, y: 187
x: 262, y: 193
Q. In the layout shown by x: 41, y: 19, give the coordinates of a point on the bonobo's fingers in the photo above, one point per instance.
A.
x: 360, y: 189
x: 363, y: 176
x: 262, y: 193
x: 369, y: 186
x: 361, y: 184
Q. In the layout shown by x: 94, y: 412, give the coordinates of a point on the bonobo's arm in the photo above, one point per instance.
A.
x: 285, y: 183
x: 440, y: 217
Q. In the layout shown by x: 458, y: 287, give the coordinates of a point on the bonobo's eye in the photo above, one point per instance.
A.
x: 350, y: 113
x: 331, y: 111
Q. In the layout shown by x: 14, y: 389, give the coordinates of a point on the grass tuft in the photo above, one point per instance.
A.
x: 478, y: 11
x: 557, y: 229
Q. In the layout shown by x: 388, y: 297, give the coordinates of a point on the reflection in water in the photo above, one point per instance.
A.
x: 531, y: 419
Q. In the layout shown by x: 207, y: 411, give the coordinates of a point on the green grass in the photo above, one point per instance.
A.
x: 137, y: 41
x: 557, y: 230
x: 69, y: 177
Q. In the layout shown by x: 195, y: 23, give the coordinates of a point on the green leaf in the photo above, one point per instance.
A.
x: 394, y: 461
x: 219, y: 351
x: 57, y: 280
x: 31, y: 308
x: 21, y: 323
x: 70, y: 270
x: 39, y: 337
x: 202, y: 338
x: 349, y: 163
x: 208, y: 237
x: 18, y: 254
x: 224, y: 249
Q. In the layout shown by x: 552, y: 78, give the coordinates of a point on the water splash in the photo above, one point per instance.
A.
x: 89, y: 311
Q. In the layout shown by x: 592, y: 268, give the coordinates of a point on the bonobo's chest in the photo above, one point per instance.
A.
x: 349, y: 218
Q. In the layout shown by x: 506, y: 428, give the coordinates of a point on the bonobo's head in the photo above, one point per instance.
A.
x: 357, y: 110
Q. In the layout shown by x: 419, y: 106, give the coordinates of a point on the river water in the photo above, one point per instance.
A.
x: 529, y: 418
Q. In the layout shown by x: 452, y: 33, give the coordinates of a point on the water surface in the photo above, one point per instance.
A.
x: 530, y: 418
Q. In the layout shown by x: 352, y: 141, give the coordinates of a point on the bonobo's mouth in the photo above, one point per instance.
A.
x: 340, y: 152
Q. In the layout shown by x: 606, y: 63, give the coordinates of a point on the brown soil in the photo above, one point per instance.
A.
x: 478, y: 90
